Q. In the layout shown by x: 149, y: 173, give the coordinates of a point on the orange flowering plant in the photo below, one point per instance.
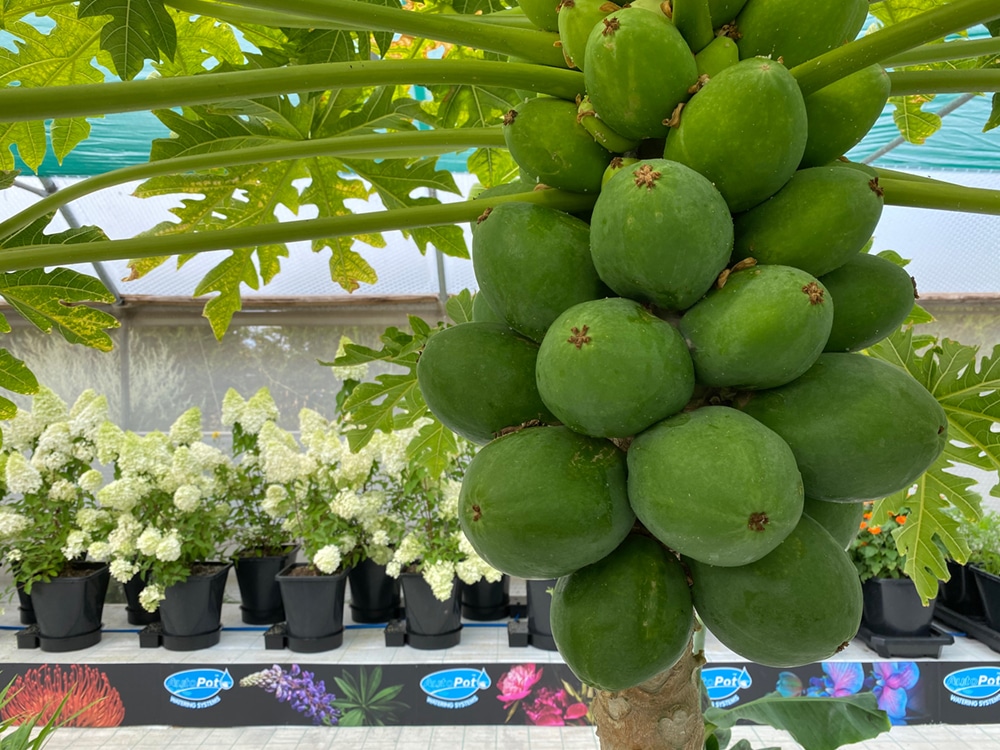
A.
x: 874, y: 549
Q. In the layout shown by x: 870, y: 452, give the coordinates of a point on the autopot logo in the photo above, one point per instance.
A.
x: 723, y: 684
x: 455, y: 688
x: 975, y: 686
x: 197, y: 688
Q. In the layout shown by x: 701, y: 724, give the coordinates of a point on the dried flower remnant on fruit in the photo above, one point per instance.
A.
x: 564, y: 4
x: 484, y: 215
x: 509, y: 117
x: 617, y: 162
x: 758, y: 521
x: 646, y: 176
x: 729, y: 30
x: 875, y: 187
x: 667, y: 8
x: 914, y: 282
x: 611, y: 25
x: 815, y: 293
x: 739, y: 266
x: 477, y: 512
x: 579, y: 337
x: 674, y: 121
x: 699, y: 84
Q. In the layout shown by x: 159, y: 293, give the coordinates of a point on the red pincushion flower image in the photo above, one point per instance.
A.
x: 91, y: 701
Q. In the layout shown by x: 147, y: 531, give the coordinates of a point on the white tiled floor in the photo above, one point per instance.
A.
x: 119, y: 644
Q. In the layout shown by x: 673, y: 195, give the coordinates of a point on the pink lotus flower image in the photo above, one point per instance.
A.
x: 516, y: 683
x: 552, y: 708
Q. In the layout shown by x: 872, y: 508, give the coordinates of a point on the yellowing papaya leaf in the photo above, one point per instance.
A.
x: 15, y: 376
x: 226, y: 279
x: 492, y: 166
x: 994, y: 119
x: 7, y: 177
x: 51, y: 300
x: 914, y: 123
x: 68, y: 133
x: 203, y: 44
x: 64, y: 55
x: 138, y: 30
x: 893, y: 11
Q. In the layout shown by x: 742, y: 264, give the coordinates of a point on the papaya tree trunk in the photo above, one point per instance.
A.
x: 663, y: 713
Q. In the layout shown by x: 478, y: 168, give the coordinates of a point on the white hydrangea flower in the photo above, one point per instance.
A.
x: 100, y: 551
x: 350, y: 372
x: 89, y: 519
x: 87, y: 416
x: 393, y: 568
x: 14, y: 555
x: 91, y: 481
x: 84, y: 452
x: 187, y: 498
x: 281, y: 460
x: 440, y: 576
x: 355, y: 467
x: 207, y: 457
x: 327, y: 559
x: 169, y: 548
x: 122, y: 570
x: 145, y: 454
x: 47, y: 407
x: 380, y: 538
x: 124, y: 538
x: 260, y: 409
x: 149, y: 540
x: 76, y: 544
x: 232, y: 407
x: 450, y: 491
x: 124, y: 493
x: 55, y: 448
x: 151, y: 596
x: 274, y: 500
x: 346, y: 504
x: 109, y: 439
x: 410, y: 548
x: 12, y: 524
x: 313, y: 427
x: 391, y: 450
x: 21, y: 477
x: 63, y: 491
x: 186, y: 429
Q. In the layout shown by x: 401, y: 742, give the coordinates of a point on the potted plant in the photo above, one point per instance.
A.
x: 960, y: 593
x: 51, y: 519
x: 892, y: 606
x: 171, y: 523
x: 984, y: 563
x: 263, y: 546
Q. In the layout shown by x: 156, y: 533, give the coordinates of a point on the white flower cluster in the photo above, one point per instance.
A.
x: 281, y: 460
x: 351, y: 372
x: 165, y: 547
x: 187, y: 498
x: 186, y: 429
x: 88, y: 414
x: 355, y: 468
x: 124, y: 538
x: 21, y: 477
x: 440, y: 576
x: 24, y: 429
x: 54, y: 449
x: 151, y: 596
x: 450, y: 491
x: 472, y: 567
x: 63, y: 491
x: 76, y: 544
x: 124, y: 493
x: 327, y: 559
x: 274, y: 502
x: 123, y: 570
x: 12, y: 524
x: 323, y: 444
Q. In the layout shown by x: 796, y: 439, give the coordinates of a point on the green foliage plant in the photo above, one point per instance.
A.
x: 874, y: 549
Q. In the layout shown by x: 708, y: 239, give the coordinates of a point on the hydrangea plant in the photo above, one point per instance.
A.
x: 50, y: 516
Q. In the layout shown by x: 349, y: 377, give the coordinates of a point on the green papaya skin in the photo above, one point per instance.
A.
x: 603, y: 133
x: 715, y: 485
x: 763, y: 328
x: 841, y: 520
x: 629, y: 94
x: 872, y: 297
x: 576, y: 19
x: 479, y: 378
x: 542, y: 13
x: 625, y: 618
x: 483, y: 313
x: 617, y: 164
x: 660, y: 233
x: 724, y: 11
x: 795, y: 31
x: 841, y: 114
x: 817, y: 222
x: 860, y: 428
x: 717, y: 56
x: 610, y: 368
x: 532, y: 263
x: 543, y: 502
x: 745, y: 131
x: 797, y: 605
x: 552, y: 148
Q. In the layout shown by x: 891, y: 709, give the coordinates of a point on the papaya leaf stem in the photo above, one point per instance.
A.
x: 529, y: 44
x: 932, y: 53
x: 906, y: 82
x: 372, y: 146
x: 19, y: 104
x: 39, y: 256
x: 892, y: 40
x: 940, y: 196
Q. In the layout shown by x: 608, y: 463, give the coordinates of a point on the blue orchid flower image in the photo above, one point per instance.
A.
x: 789, y: 685
x: 893, y: 684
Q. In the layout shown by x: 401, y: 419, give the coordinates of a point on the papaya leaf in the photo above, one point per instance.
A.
x: 815, y: 723
x: 492, y: 166
x: 138, y: 30
x: 7, y: 177
x: 918, y: 316
x: 914, y: 123
x: 459, y: 307
x: 202, y: 44
x: 65, y: 55
x: 391, y: 402
x: 14, y: 376
x: 893, y: 11
x: 433, y: 447
x: 994, y: 119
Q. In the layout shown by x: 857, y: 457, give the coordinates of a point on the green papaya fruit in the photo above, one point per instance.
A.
x: 479, y: 378
x: 625, y: 618
x: 745, y: 131
x: 660, y: 233
x: 872, y: 296
x: 817, y: 222
x: 543, y: 502
x: 799, y: 604
x: 841, y: 114
x: 610, y: 368
x: 762, y: 328
x: 551, y: 147
x: 543, y: 13
x: 603, y: 133
x: 794, y: 31
x: 724, y: 11
x: 841, y: 520
x: 483, y: 313
x: 576, y: 19
x: 860, y: 428
x: 630, y: 95
x: 693, y: 19
x: 720, y: 53
x: 714, y: 485
x: 532, y: 263
x: 617, y: 164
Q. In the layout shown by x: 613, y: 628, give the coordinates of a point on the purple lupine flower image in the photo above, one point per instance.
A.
x: 841, y: 678
x: 299, y: 688
x: 893, y: 683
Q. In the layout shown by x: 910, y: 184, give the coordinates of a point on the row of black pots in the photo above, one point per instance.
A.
x: 972, y: 592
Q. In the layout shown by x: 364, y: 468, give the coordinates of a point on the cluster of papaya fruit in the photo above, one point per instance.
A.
x: 675, y: 412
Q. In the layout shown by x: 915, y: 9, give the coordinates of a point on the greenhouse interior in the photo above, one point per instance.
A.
x: 296, y: 434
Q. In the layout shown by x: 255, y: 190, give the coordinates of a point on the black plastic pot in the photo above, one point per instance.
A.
x: 960, y: 592
x: 989, y: 589
x: 194, y: 607
x: 430, y: 622
x: 135, y: 612
x: 260, y: 595
x: 484, y: 601
x: 374, y: 593
x: 69, y: 608
x: 26, y: 613
x: 539, y: 604
x: 314, y: 604
x: 892, y: 607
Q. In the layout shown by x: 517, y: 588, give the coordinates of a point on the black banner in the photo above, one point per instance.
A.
x: 217, y: 694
